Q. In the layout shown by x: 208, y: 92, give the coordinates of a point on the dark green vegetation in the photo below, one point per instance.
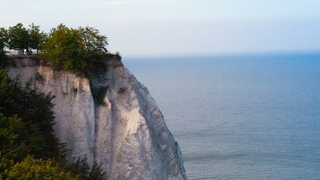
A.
x: 80, y: 51
x: 20, y: 38
x: 3, y: 44
x: 28, y: 147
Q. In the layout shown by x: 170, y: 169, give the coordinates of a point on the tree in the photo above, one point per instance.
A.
x: 3, y: 44
x: 82, y: 167
x: 18, y: 37
x: 12, y: 137
x: 28, y: 147
x: 3, y: 38
x: 35, y: 37
x: 35, y: 110
x: 62, y: 47
x: 21, y: 38
x: 92, y: 53
x: 80, y: 51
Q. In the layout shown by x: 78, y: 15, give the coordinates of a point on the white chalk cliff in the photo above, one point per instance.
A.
x: 128, y: 135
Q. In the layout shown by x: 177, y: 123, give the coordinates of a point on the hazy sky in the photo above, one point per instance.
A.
x: 180, y: 27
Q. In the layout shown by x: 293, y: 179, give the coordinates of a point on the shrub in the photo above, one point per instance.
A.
x: 29, y: 149
x: 94, y: 173
x: 30, y: 169
x: 13, y: 138
x: 35, y: 110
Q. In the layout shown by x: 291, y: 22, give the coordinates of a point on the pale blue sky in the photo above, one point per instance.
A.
x: 181, y: 27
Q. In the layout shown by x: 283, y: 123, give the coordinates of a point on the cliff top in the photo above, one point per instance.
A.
x: 110, y: 60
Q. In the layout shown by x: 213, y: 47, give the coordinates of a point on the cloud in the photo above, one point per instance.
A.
x: 133, y: 1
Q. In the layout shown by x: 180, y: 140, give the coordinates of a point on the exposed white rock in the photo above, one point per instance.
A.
x: 128, y: 135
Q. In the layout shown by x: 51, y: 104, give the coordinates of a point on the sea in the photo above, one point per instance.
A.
x: 240, y: 117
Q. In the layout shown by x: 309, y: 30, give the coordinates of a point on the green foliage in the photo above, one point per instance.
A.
x: 13, y: 136
x: 3, y: 37
x: 3, y: 44
x: 36, y: 38
x: 28, y: 148
x: 96, y: 173
x: 92, y: 52
x: 5, y: 167
x: 30, y: 169
x: 80, y: 51
x: 82, y: 167
x: 35, y: 110
x: 18, y: 37
x: 62, y: 46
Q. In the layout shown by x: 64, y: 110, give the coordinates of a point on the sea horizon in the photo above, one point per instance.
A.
x: 240, y: 117
x: 226, y: 54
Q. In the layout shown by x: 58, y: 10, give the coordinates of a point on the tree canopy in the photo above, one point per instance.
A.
x: 3, y: 44
x: 18, y: 37
x: 80, y: 51
x: 28, y: 146
x: 21, y: 38
x: 36, y: 38
x: 35, y: 110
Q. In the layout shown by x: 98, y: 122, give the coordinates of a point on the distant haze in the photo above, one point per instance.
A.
x: 181, y: 27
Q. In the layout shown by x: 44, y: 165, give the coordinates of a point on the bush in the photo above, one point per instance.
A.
x: 13, y: 138
x: 82, y: 167
x: 29, y: 149
x: 30, y: 169
x: 35, y: 110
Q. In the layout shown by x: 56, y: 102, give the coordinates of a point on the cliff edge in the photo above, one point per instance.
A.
x: 127, y: 134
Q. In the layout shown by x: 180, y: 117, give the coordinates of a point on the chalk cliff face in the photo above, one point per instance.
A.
x: 128, y: 134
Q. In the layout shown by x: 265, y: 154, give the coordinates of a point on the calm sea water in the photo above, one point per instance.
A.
x: 240, y: 117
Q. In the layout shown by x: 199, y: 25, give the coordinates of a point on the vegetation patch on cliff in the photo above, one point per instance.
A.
x: 29, y: 149
x: 81, y: 51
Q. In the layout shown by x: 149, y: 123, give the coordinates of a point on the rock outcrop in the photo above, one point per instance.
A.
x: 127, y: 134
